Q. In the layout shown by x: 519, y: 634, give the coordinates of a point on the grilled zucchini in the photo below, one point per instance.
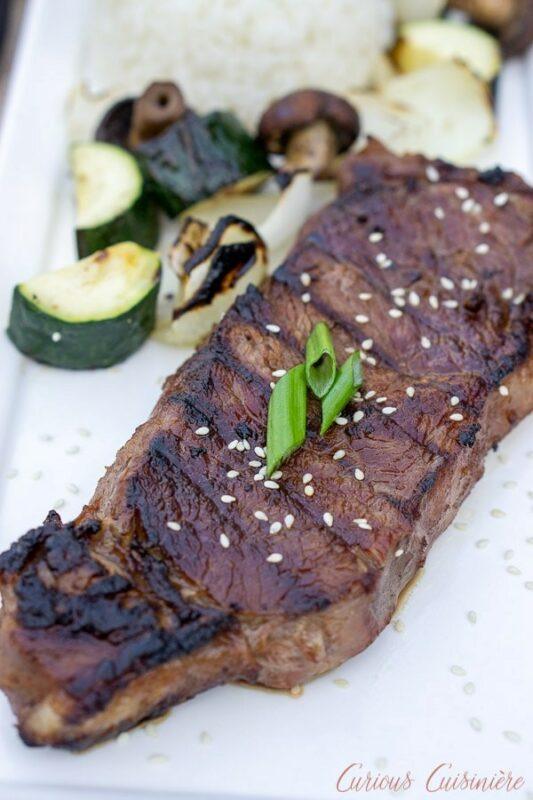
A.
x: 91, y: 314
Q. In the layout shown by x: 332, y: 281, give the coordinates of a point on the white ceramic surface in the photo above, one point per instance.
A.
x: 398, y: 706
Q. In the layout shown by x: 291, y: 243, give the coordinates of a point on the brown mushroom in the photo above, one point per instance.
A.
x: 512, y: 20
x: 160, y: 105
x: 310, y: 127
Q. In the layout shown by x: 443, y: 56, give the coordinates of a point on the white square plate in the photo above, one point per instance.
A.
x: 398, y: 706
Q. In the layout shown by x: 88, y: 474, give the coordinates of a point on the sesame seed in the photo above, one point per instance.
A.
x: 279, y: 373
x: 274, y: 558
x: 261, y: 515
x: 398, y: 292
x: 224, y: 541
x: 272, y: 385
x: 246, y: 444
x: 232, y: 445
x: 361, y: 319
x: 289, y: 521
x: 358, y: 416
x: 72, y: 450
x: 375, y: 236
x: 414, y: 299
x: 338, y: 454
x: 359, y: 474
x: 472, y: 617
x: 507, y: 293
x: 439, y: 213
x: 497, y: 513
x: 272, y: 328
x: 381, y: 399
x: 433, y: 301
x: 519, y: 299
x: 475, y: 724
x: 305, y: 279
x: 501, y: 199
x: 482, y: 249
x: 410, y: 391
x: 276, y: 475
x: 462, y: 193
x: 424, y: 341
x: 399, y: 553
x: 341, y: 421
x: 342, y: 683
x: 513, y: 570
x: 72, y: 488
x: 158, y: 758
x: 56, y: 336
x: 328, y: 519
x: 399, y: 301
x: 468, y: 205
x: 306, y: 297
x: 456, y: 417
x: 388, y: 410
x: 508, y: 555
x: 432, y: 173
x: 365, y: 296
x: 447, y: 283
x: 174, y: 526
x: 307, y: 478
x: 203, y: 431
x: 469, y: 688
x: 459, y: 671
x: 512, y: 736
x: 371, y: 393
x: 232, y: 473
x: 482, y: 543
x: 454, y: 401
x: 366, y: 344
x: 371, y: 360
x: 529, y: 585
x: 450, y: 303
x: 484, y: 227
x: 398, y: 625
x: 504, y: 391
x: 383, y: 260
x: 395, y: 313
x: 254, y: 463
x: 275, y: 527
x: 467, y: 284
x: 259, y: 451
x: 309, y: 490
x: 271, y: 485
x: 227, y: 498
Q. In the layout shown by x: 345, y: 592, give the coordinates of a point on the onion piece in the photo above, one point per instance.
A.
x: 288, y: 215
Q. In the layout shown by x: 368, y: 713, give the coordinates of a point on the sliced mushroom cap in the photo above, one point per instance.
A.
x: 311, y: 127
x: 160, y: 105
x: 303, y: 108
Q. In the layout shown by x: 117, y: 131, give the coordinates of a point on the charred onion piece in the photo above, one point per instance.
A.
x: 160, y: 105
x: 226, y: 261
x: 311, y: 127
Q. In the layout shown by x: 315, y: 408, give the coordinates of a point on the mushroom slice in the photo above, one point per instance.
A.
x: 228, y: 259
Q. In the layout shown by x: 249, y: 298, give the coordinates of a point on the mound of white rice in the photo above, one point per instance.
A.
x: 235, y: 54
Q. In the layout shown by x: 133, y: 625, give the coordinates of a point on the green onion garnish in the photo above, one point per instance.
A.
x: 349, y: 379
x: 320, y: 362
x: 287, y: 413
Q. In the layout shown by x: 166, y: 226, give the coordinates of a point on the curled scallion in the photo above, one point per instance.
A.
x: 287, y: 417
x: 320, y: 361
x: 349, y: 379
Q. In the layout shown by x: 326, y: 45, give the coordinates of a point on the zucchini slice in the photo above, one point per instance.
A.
x: 91, y: 314
x: 112, y: 205
x: 424, y: 42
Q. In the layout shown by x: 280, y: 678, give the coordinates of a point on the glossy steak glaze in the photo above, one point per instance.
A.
x: 112, y: 618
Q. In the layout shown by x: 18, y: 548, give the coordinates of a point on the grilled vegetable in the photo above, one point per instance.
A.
x: 213, y: 268
x: 197, y: 156
x: 440, y: 111
x: 111, y: 203
x: 91, y: 314
x: 424, y: 42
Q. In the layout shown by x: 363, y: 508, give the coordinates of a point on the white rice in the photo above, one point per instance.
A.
x: 235, y: 54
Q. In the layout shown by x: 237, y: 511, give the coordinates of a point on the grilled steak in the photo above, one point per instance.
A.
x: 172, y: 579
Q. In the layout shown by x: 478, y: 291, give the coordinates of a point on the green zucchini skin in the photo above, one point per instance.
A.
x: 197, y: 156
x: 139, y: 224
x: 83, y: 345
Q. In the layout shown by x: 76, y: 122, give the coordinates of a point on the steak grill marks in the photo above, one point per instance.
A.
x: 96, y: 604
